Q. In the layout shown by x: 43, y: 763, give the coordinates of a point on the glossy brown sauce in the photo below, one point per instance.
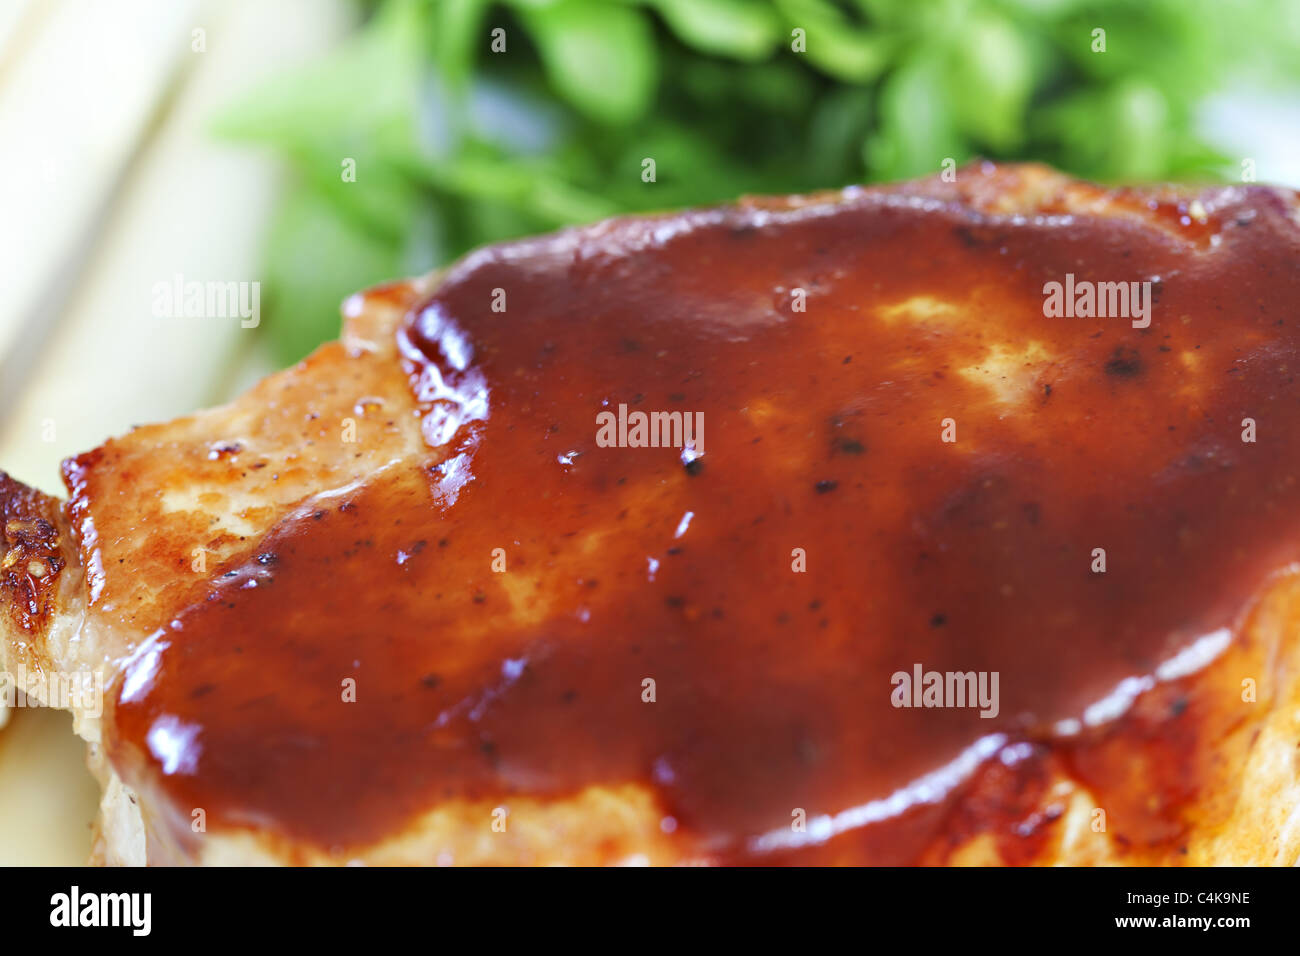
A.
x: 822, y: 433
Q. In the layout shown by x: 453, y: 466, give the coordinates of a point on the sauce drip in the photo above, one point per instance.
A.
x: 822, y: 449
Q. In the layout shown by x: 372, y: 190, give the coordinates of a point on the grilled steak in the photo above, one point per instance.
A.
x: 943, y: 522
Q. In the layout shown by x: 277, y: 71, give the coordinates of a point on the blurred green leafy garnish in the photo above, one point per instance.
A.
x: 455, y: 144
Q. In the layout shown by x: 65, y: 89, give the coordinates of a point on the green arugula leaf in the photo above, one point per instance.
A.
x: 992, y: 77
x: 601, y: 57
x: 741, y: 29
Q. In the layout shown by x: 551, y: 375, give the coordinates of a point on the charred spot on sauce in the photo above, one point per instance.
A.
x: 975, y: 237
x: 224, y: 449
x: 1125, y: 362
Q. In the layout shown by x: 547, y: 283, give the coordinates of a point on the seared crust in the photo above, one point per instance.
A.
x: 40, y: 587
x: 31, y: 558
x: 200, y: 492
x: 160, y: 513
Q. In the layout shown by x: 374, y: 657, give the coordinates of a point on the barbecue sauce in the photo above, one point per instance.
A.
x: 904, y: 464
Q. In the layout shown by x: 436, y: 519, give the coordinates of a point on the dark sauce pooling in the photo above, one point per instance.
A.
x: 772, y: 684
